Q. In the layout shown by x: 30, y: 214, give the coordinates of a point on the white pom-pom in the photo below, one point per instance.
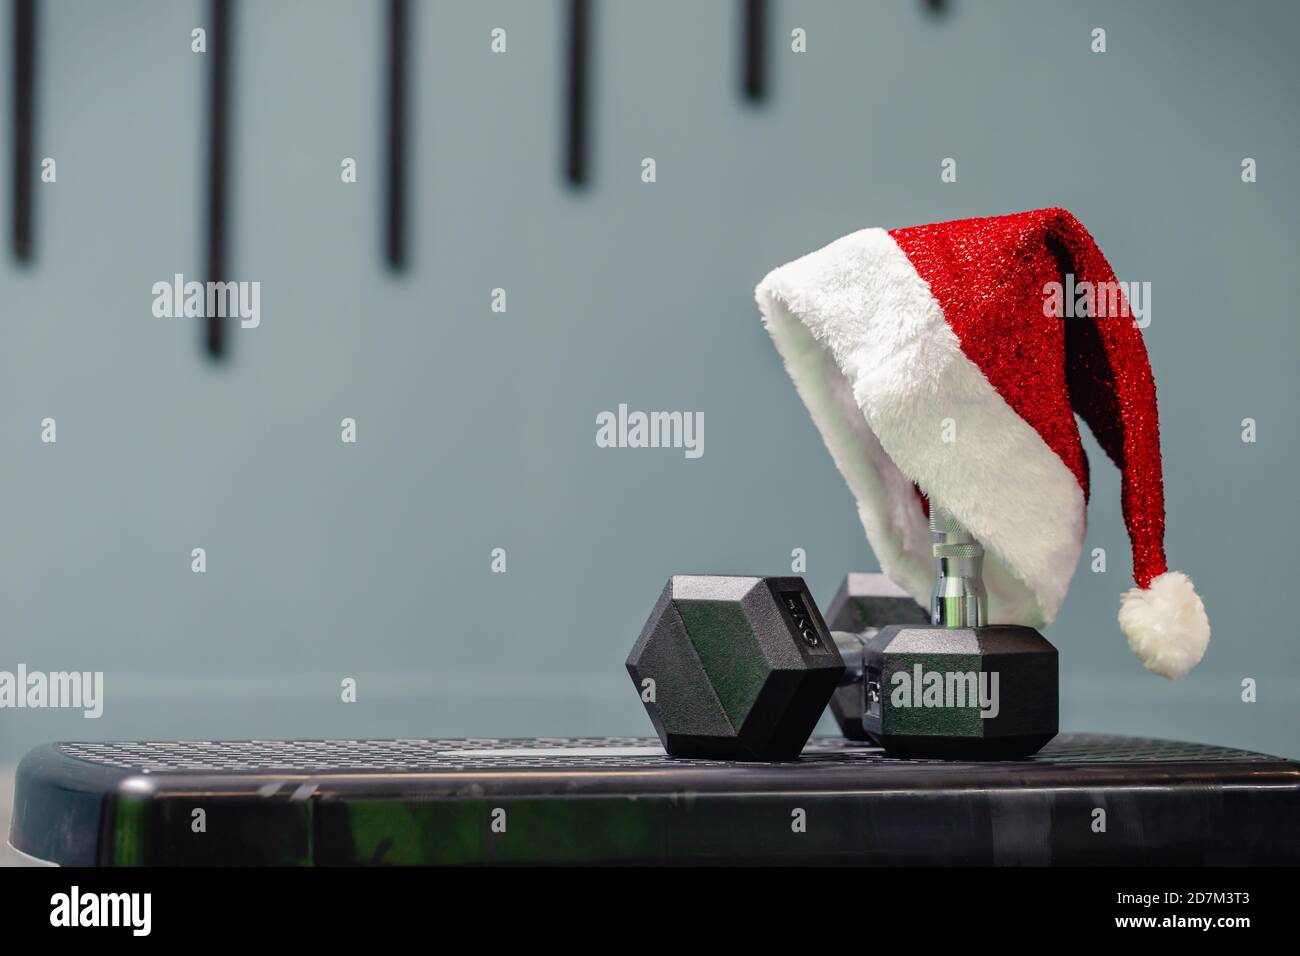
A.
x: 1166, y: 624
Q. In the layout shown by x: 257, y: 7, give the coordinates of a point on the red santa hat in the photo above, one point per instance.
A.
x: 934, y: 364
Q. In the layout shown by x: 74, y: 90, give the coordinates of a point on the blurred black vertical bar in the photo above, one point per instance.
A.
x: 575, y: 159
x: 754, y: 53
x: 24, y: 118
x: 220, y: 14
x: 934, y: 6
x: 395, y: 209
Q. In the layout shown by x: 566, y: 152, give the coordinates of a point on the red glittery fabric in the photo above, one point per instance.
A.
x: 988, y: 276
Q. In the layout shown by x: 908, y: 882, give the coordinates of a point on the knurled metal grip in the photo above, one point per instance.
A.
x: 959, y: 599
x: 958, y: 551
x: 942, y: 522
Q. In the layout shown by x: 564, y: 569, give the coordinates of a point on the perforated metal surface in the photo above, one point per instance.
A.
x: 620, y: 799
x: 555, y: 753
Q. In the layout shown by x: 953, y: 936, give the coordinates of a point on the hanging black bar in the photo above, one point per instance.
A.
x: 220, y: 15
x: 24, y: 117
x: 754, y: 52
x: 395, y: 208
x: 575, y: 162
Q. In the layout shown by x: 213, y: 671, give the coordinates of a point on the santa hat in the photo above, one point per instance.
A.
x: 934, y: 365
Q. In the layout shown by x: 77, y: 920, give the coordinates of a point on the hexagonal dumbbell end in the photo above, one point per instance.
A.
x: 865, y: 601
x: 735, y: 668
x: 982, y: 693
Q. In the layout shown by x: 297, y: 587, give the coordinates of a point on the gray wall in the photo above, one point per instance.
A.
x: 476, y: 430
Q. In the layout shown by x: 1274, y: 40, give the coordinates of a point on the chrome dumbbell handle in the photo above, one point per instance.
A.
x: 851, y: 647
x: 959, y: 598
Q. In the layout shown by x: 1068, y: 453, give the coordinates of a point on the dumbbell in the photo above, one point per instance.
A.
x: 958, y: 687
x: 740, y: 668
x: 735, y: 668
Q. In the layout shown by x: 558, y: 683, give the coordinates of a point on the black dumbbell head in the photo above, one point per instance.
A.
x: 866, y: 600
x: 960, y: 693
x: 735, y: 668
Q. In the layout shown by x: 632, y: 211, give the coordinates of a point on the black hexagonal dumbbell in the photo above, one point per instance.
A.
x: 735, y: 668
x: 986, y: 692
x: 953, y: 688
x: 741, y: 667
x: 864, y: 603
